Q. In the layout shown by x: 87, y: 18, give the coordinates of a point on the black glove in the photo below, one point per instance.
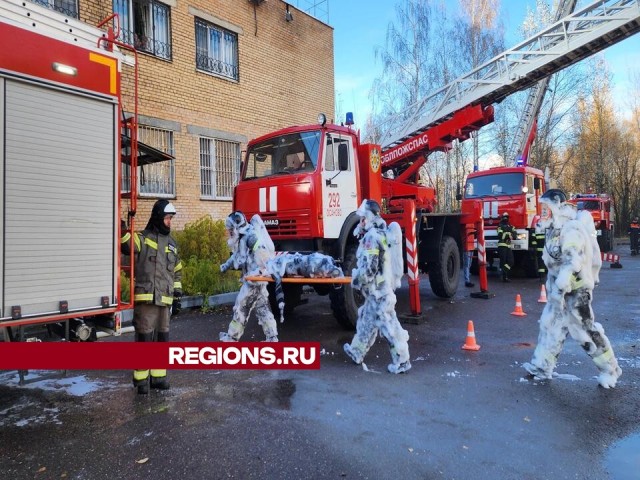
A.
x: 177, y: 305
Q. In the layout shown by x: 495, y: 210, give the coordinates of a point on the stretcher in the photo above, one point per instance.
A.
x: 261, y: 278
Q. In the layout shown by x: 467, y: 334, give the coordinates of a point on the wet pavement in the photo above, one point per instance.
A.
x: 454, y: 415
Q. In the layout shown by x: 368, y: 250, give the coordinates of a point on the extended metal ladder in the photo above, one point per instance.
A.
x: 593, y: 28
x: 535, y: 97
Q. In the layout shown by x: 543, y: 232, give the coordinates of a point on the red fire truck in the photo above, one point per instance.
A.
x: 65, y: 149
x: 514, y: 190
x: 601, y: 208
x: 307, y: 181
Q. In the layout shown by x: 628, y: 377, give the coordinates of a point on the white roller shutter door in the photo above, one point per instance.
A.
x: 59, y: 199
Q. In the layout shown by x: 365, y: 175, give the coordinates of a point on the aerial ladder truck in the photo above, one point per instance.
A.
x: 307, y: 181
x: 503, y: 190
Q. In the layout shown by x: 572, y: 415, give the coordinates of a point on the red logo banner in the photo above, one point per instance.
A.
x: 169, y: 355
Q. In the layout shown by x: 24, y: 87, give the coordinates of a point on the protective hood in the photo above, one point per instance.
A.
x: 236, y: 224
x: 369, y: 213
x: 555, y: 211
x: 158, y: 212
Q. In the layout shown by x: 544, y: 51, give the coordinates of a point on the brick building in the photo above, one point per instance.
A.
x: 212, y: 75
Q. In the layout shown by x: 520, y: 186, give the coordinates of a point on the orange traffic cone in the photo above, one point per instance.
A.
x: 518, y: 312
x: 543, y: 294
x: 470, y: 342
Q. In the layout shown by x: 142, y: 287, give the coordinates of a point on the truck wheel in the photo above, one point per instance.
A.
x: 445, y: 274
x: 345, y: 300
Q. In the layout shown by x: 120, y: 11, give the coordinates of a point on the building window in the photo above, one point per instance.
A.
x: 157, y: 179
x: 219, y: 168
x: 66, y: 7
x: 216, y: 50
x: 145, y: 24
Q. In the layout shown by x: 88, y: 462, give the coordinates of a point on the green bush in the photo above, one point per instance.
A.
x: 204, y: 239
x: 203, y: 247
x: 125, y: 286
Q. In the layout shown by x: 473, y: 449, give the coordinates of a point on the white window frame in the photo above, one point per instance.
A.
x: 157, y: 36
x: 220, y: 58
x: 162, y: 139
x: 219, y: 168
x: 153, y: 137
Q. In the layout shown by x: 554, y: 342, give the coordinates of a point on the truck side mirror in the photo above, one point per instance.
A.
x: 458, y: 193
x: 536, y: 184
x: 343, y: 157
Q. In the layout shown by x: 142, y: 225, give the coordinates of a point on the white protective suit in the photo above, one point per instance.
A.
x: 296, y: 264
x: 573, y: 260
x: 251, y: 249
x: 377, y: 274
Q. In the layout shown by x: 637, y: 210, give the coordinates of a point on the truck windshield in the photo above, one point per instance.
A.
x: 283, y: 155
x: 497, y: 184
x: 591, y: 205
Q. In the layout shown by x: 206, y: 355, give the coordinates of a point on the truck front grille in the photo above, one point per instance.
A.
x: 287, y: 226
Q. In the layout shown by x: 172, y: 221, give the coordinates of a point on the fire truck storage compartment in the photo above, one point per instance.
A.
x: 57, y: 238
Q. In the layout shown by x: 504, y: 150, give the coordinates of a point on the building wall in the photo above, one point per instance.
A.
x: 286, y: 77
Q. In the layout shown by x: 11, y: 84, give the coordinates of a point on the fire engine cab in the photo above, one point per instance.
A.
x: 514, y: 190
x: 601, y: 208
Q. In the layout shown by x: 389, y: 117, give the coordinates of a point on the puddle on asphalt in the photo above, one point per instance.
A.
x: 280, y: 395
x: 623, y: 459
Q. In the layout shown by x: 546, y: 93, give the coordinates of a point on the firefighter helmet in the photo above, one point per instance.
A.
x: 161, y: 209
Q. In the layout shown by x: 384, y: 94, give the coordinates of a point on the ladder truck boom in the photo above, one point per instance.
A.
x: 591, y: 29
x: 526, y: 127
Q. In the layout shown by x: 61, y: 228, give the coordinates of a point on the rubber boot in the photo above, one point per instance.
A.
x: 352, y: 354
x: 399, y: 368
x: 143, y: 388
x: 160, y: 383
x: 143, y: 385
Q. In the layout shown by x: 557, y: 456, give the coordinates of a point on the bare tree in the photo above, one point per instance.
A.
x: 407, y: 58
x: 560, y: 99
x: 480, y: 37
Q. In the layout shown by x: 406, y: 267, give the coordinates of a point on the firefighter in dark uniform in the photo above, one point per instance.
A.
x: 506, y: 234
x: 158, y: 287
x: 538, y: 243
x: 634, y: 235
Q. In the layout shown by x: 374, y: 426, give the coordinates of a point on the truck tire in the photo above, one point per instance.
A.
x: 445, y: 274
x: 345, y: 301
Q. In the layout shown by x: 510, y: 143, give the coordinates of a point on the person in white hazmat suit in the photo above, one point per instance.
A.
x: 251, y: 248
x: 573, y: 261
x: 377, y: 274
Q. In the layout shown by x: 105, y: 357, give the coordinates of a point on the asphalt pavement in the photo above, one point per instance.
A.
x: 455, y: 415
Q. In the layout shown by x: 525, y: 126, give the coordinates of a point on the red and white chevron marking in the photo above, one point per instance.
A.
x: 412, y: 250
